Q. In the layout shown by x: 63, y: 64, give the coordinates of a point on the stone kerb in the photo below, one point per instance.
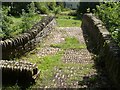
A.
x: 105, y: 46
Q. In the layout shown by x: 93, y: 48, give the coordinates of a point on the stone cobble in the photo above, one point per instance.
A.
x: 76, y: 62
x: 77, y: 56
x: 48, y: 51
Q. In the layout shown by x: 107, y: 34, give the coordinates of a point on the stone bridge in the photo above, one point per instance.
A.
x: 84, y: 67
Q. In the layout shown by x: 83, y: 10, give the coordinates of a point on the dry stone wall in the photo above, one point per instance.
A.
x: 25, y: 42
x: 22, y: 71
x: 105, y: 46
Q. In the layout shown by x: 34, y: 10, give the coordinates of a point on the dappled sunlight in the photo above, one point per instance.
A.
x: 56, y: 45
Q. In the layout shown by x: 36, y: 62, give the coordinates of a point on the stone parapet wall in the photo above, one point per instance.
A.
x: 104, y: 46
x: 22, y: 71
x: 25, y: 42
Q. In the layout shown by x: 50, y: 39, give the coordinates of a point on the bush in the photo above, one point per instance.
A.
x: 42, y: 7
x: 31, y: 9
x: 49, y: 7
x: 28, y: 20
x: 109, y: 13
x: 57, y: 10
x: 6, y: 21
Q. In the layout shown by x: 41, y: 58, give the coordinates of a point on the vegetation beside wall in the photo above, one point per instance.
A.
x: 109, y: 13
x: 19, y: 45
x: 14, y: 25
x: 18, y: 17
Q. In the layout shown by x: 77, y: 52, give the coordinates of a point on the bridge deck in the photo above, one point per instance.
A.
x: 76, y: 68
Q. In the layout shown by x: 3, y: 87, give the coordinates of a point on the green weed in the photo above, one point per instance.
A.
x: 70, y: 43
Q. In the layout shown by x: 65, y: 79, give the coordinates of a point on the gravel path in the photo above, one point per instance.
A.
x: 78, y: 70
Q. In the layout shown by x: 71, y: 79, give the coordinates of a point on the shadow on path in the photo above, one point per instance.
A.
x: 100, y: 79
x: 21, y: 85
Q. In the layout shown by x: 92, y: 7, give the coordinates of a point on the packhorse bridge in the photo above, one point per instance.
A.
x: 90, y: 63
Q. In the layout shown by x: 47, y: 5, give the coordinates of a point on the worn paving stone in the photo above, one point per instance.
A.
x: 77, y: 56
x: 47, y: 51
x: 71, y: 76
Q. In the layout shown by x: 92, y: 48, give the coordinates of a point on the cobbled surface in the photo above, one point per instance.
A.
x: 78, y: 70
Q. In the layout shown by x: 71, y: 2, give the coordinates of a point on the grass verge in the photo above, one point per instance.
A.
x: 68, y: 21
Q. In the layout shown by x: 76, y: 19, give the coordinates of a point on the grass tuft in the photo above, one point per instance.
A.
x: 70, y: 43
x: 48, y: 62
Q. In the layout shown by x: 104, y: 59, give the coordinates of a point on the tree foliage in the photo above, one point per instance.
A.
x: 42, y: 7
x: 16, y: 7
x: 6, y: 21
x: 25, y: 11
x: 49, y: 7
x: 27, y: 17
x: 109, y: 13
